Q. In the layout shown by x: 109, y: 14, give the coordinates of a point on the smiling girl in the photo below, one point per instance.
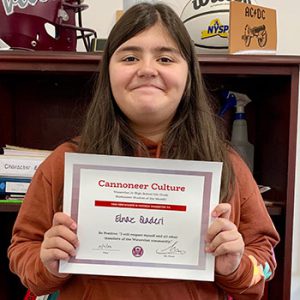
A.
x: 150, y: 101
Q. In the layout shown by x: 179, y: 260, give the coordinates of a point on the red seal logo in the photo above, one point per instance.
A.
x: 137, y: 251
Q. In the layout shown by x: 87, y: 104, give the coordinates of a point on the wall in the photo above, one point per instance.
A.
x: 101, y: 17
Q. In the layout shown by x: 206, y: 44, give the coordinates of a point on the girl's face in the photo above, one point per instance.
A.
x: 148, y: 76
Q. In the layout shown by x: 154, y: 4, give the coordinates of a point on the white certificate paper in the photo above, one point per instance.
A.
x: 141, y: 217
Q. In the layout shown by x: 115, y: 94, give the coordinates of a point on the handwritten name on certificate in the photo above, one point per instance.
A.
x: 141, y: 217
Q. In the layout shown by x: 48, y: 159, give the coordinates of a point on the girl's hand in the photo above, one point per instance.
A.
x: 60, y: 242
x: 224, y: 241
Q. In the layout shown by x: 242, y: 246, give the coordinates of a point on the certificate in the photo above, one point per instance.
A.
x: 140, y: 217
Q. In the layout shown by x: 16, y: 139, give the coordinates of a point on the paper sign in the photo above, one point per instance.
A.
x: 252, y: 29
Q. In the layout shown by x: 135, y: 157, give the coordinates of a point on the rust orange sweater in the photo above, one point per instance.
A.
x: 44, y: 198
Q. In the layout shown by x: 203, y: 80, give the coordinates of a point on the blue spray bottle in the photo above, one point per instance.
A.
x: 239, y: 134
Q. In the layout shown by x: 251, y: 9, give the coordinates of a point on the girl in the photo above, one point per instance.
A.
x: 150, y: 101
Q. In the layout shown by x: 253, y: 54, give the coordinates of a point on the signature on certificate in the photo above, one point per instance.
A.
x: 172, y: 249
x: 106, y: 247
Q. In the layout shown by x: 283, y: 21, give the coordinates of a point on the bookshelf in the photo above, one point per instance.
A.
x: 43, y: 95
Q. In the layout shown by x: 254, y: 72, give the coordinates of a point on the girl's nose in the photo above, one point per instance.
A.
x: 147, y: 69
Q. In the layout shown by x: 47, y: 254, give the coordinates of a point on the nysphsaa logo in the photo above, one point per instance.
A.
x: 9, y: 5
x: 215, y: 28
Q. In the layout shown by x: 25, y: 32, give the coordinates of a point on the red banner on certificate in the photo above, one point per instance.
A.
x: 140, y: 205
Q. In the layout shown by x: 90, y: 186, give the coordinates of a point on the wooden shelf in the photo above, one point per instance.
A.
x: 55, y: 88
x: 44, y: 61
x: 49, y: 61
x: 10, y: 207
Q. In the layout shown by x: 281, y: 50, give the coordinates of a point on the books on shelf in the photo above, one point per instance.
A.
x: 14, y: 185
x: 20, y: 162
x: 19, y: 166
x: 12, y: 198
x: 21, y: 151
x: 11, y: 201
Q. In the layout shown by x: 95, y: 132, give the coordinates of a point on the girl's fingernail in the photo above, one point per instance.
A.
x: 73, y: 226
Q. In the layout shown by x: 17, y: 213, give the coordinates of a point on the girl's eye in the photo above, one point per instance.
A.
x: 130, y: 58
x: 165, y: 59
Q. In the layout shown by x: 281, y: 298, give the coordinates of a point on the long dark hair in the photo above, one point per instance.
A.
x: 193, y: 133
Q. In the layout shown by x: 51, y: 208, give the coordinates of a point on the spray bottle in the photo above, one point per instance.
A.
x: 239, y: 134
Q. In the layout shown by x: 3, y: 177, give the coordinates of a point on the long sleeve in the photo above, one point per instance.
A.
x: 42, y: 200
x: 260, y: 236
